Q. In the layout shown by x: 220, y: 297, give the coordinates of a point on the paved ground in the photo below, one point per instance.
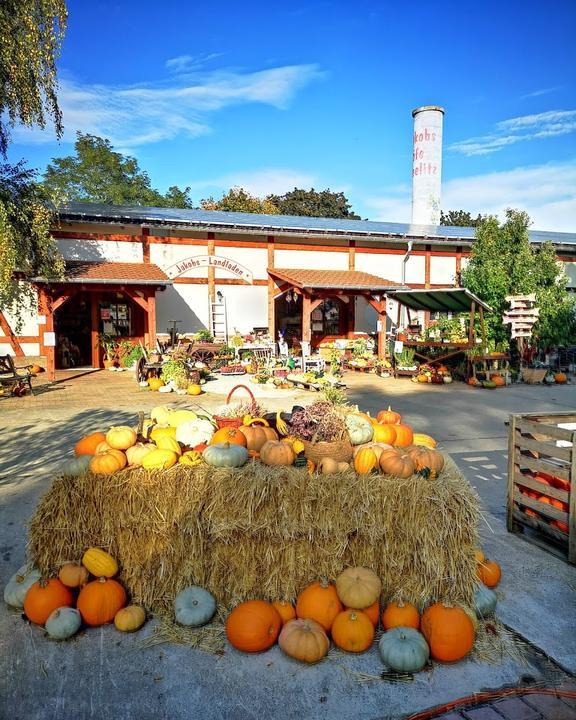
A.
x: 101, y: 674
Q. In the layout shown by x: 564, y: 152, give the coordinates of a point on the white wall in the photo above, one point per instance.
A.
x: 442, y: 270
x: 310, y: 260
x: 187, y: 303
x: 94, y: 250
x: 388, y: 267
x: 166, y: 255
x: 247, y: 306
x: 254, y: 259
x: 570, y: 270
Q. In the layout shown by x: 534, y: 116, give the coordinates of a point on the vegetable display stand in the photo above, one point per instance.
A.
x: 541, y: 476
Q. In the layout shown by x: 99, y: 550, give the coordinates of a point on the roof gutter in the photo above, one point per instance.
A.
x: 405, y: 260
x: 98, y: 281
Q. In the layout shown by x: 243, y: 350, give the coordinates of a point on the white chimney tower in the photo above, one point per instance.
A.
x: 427, y: 165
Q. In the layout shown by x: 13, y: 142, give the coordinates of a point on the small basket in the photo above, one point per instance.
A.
x: 340, y: 450
x: 224, y: 422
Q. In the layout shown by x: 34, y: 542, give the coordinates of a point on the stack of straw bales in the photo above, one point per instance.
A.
x: 264, y: 531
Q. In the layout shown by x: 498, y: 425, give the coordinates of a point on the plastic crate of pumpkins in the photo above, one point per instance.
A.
x: 541, y: 474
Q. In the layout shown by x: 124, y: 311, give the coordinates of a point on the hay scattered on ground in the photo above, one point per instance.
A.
x: 496, y: 643
x: 264, y: 532
x: 210, y: 638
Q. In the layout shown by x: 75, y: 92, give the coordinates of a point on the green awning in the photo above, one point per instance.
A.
x: 456, y: 300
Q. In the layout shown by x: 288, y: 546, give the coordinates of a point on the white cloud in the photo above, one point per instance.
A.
x: 520, y: 129
x: 133, y: 116
x: 186, y: 63
x: 546, y: 192
x: 538, y: 93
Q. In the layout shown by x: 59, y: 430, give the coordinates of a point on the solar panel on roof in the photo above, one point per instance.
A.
x: 296, y: 223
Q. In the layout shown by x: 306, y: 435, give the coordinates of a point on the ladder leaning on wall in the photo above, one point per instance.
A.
x: 219, y: 321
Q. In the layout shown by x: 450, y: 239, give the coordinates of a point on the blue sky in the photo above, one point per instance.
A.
x: 273, y: 95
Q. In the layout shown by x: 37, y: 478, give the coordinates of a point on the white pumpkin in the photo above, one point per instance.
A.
x: 18, y: 585
x: 194, y: 432
x: 161, y: 414
x: 165, y: 389
x: 63, y: 623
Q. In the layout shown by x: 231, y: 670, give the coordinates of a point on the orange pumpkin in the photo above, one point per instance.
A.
x: 560, y: 525
x: 73, y: 575
x: 365, y: 461
x: 498, y: 380
x: 229, y: 435
x: 554, y: 502
x: 276, y: 452
x: 400, y: 614
x: 561, y: 484
x: 320, y: 602
x: 304, y: 640
x: 256, y: 436
x: 385, y: 434
x: 427, y: 459
x: 88, y: 444
x: 43, y: 598
x: 100, y: 600
x: 489, y: 573
x: 560, y: 378
x: 352, y: 631
x: 372, y: 611
x: 394, y: 462
x: 253, y: 626
x: 449, y: 632
x: 389, y: 417
x: 404, y: 435
x: 285, y: 609
x: 108, y: 462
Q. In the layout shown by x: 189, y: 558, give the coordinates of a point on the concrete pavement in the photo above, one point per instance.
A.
x: 103, y: 673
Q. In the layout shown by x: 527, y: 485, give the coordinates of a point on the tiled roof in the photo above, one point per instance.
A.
x: 329, y: 279
x: 293, y: 225
x: 78, y: 271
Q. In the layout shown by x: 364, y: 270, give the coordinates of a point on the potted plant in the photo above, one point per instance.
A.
x: 204, y: 336
x: 405, y: 360
x: 109, y: 347
x: 176, y: 373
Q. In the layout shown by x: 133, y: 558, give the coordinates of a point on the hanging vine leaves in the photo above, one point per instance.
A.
x: 31, y: 34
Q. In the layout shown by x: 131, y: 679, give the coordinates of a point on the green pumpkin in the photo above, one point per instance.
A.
x: 225, y: 455
x: 19, y: 584
x: 484, y: 601
x: 404, y: 649
x: 63, y: 623
x: 359, y: 429
x: 76, y: 466
x: 194, y: 606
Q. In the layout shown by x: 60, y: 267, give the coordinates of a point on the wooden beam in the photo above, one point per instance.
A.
x: 10, y: 336
x: 316, y: 303
x: 271, y: 289
x: 62, y: 299
x: 95, y: 328
x: 48, y: 351
x: 146, y: 244
x: 471, y: 331
x: 151, y: 316
x: 211, y: 273
x: 352, y: 255
x: 457, y: 282
x: 306, y: 312
x: 133, y: 295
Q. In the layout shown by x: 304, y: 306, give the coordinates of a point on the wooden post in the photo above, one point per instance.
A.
x: 94, y: 328
x: 457, y: 282
x: 482, y: 326
x: 352, y: 255
x: 472, y: 317
x: 146, y: 244
x: 382, y: 331
x: 271, y: 286
x: 49, y: 351
x: 306, y: 319
x: 211, y: 273
x: 151, y: 317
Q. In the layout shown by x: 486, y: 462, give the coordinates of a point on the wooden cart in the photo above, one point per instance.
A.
x: 541, y: 477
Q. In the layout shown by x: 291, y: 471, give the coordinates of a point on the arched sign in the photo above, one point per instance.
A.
x: 215, y: 261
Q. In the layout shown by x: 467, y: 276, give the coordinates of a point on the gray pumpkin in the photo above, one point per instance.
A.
x: 484, y: 601
x: 194, y: 606
x: 76, y: 465
x: 225, y: 455
x: 404, y: 649
x: 18, y: 585
x: 63, y: 622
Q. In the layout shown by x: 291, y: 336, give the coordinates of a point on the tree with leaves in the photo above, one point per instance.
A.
x: 239, y: 200
x: 460, y: 218
x: 98, y: 174
x: 313, y: 203
x: 503, y: 262
x: 31, y: 34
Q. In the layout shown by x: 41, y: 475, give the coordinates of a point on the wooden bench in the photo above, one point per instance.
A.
x: 11, y: 375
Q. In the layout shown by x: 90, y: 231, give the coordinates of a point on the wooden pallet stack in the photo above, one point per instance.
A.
x: 541, y: 477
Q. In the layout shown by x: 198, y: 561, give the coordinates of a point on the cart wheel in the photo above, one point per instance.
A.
x: 205, y: 356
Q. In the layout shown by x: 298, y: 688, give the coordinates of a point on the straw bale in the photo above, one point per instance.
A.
x: 263, y: 531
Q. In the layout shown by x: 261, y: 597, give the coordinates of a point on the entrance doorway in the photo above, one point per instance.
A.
x: 72, y: 325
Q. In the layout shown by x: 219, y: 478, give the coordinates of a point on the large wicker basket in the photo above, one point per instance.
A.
x: 340, y: 450
x: 234, y: 422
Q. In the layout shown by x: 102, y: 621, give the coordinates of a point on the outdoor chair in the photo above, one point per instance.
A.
x: 311, y: 362
x: 263, y: 357
x: 11, y: 375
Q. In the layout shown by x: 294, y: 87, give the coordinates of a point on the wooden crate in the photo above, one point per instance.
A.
x: 533, y: 376
x: 533, y: 450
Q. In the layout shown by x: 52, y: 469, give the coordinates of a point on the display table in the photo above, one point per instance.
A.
x: 450, y: 350
x: 486, y: 364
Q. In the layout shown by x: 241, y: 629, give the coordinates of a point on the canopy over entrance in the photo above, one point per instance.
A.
x: 321, y: 301
x: 454, y: 300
